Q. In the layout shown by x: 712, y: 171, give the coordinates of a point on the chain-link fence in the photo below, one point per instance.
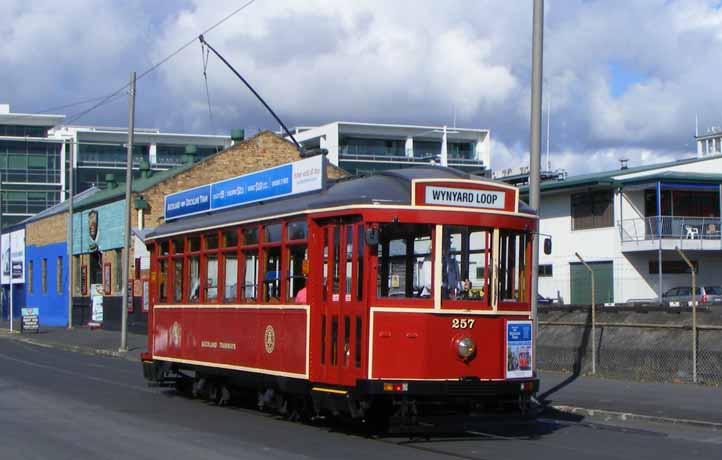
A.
x: 633, y: 344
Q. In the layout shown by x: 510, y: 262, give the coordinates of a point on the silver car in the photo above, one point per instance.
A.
x: 682, y: 296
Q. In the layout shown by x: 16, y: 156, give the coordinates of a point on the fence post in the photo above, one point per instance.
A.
x: 594, y: 317
x: 694, y: 314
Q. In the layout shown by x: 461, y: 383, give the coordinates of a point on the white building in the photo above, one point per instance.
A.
x: 623, y: 222
x: 709, y: 143
x: 367, y: 147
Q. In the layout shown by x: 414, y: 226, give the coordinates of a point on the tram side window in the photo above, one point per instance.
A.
x: 512, y: 271
x: 178, y: 280
x: 194, y: 278
x: 230, y: 285
x: 296, y: 274
x: 463, y: 263
x: 163, y: 281
x: 405, y: 261
x: 250, y: 275
x: 272, y: 275
x: 211, y: 287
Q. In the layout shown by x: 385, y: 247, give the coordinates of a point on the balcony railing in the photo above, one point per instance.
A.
x: 670, y: 227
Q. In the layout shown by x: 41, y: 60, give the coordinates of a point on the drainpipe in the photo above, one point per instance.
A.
x: 659, y: 238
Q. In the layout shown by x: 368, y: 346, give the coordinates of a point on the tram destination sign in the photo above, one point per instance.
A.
x: 289, y: 179
x: 470, y: 198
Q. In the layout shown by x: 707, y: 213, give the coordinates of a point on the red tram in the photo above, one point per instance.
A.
x: 405, y: 288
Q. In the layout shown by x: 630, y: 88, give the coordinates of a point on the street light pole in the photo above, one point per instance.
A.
x: 128, y: 296
x: 694, y: 313
x: 535, y: 153
x: 71, y: 147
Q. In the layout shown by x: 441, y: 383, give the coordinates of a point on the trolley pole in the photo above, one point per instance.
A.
x: 71, y: 147
x: 535, y: 155
x: 594, y: 316
x: 694, y: 313
x: 128, y: 296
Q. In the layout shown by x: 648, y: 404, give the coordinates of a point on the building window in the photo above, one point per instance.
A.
x: 546, y: 270
x: 30, y: 276
x: 592, y: 209
x: 59, y: 275
x: 76, y: 275
x: 118, y: 275
x: 44, y: 276
x: 672, y: 267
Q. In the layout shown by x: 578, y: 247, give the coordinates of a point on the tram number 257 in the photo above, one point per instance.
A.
x: 462, y: 323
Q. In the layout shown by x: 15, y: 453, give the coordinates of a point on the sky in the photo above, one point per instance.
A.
x: 623, y: 78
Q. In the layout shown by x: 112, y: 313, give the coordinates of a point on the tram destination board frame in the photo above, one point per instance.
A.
x: 288, y: 179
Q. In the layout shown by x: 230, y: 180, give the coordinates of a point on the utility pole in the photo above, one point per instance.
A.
x: 694, y: 313
x: 71, y: 147
x: 535, y: 154
x: 594, y: 316
x: 2, y: 290
x: 10, y: 276
x: 128, y: 296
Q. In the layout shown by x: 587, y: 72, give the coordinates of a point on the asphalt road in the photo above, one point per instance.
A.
x: 61, y: 405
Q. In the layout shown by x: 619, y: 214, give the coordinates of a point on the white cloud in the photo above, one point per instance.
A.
x: 402, y: 61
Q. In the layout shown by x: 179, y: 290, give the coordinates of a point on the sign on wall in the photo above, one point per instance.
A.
x: 13, y: 257
x: 289, y: 179
x: 99, y: 229
x: 518, y: 349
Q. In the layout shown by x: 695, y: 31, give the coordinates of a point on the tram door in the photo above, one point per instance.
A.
x: 343, y: 316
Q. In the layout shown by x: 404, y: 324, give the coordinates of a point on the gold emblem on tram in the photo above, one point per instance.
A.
x: 269, y: 339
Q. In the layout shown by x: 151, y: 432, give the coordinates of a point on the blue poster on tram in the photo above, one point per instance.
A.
x: 519, y: 349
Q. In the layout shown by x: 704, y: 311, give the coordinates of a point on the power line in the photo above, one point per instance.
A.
x: 163, y: 61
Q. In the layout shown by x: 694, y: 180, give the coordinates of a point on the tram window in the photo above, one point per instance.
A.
x: 194, y: 243
x: 230, y: 284
x: 463, y: 264
x: 250, y: 235
x: 297, y: 230
x: 162, y: 281
x: 357, y: 345
x: 360, y: 263
x: 211, y: 241
x: 512, y: 279
x: 349, y: 261
x: 272, y: 233
x: 346, y: 341
x: 230, y: 239
x: 194, y: 276
x: 272, y: 275
x: 405, y: 261
x: 211, y: 287
x: 178, y: 246
x: 296, y: 276
x: 323, y: 339
x: 334, y: 340
x: 178, y: 280
x: 325, y: 264
x: 336, y: 257
x: 164, y: 248
x: 250, y: 275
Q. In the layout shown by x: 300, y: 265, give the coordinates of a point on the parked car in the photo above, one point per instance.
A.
x: 541, y: 300
x: 681, y: 296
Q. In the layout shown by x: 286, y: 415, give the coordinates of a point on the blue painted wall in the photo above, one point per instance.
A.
x: 53, y: 304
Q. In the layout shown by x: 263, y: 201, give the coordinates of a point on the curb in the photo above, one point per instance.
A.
x: 626, y: 416
x: 73, y: 348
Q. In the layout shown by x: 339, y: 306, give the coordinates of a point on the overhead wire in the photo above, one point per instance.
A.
x: 158, y: 64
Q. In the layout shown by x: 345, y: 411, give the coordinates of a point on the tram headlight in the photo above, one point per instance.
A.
x: 466, y: 348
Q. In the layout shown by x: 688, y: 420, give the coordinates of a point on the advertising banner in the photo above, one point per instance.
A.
x: 30, y: 320
x: 96, y: 293
x: 289, y: 179
x: 518, y: 349
x: 13, y: 257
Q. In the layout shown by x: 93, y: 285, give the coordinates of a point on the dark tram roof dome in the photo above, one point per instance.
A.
x: 391, y: 187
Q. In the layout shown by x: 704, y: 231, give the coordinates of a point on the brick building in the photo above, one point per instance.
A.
x: 98, y: 224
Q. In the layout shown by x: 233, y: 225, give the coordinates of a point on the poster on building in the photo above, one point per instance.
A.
x: 99, y: 229
x: 13, y: 257
x: 96, y: 298
x: 518, y: 349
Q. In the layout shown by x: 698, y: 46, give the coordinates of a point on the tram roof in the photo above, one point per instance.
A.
x: 390, y: 187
